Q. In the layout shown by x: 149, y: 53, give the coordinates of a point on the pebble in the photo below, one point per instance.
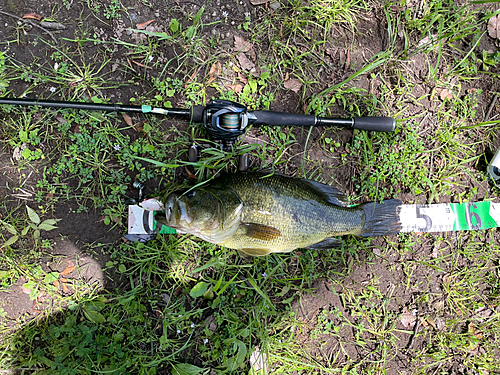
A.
x: 275, y: 5
x: 133, y: 16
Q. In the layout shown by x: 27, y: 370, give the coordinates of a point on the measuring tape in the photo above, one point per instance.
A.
x: 441, y: 217
x: 447, y: 217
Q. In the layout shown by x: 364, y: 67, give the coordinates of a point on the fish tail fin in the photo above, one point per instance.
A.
x: 382, y: 218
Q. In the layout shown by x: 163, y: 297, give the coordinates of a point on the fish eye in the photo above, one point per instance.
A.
x: 191, y: 193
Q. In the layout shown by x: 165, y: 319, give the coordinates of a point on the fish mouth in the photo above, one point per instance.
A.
x: 183, y: 212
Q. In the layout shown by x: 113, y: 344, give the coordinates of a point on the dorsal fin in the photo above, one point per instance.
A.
x: 330, y: 194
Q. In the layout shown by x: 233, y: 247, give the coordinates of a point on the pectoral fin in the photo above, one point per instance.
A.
x: 327, y: 243
x: 261, y: 232
x: 245, y: 253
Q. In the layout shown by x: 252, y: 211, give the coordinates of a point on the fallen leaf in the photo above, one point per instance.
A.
x: 242, y: 78
x: 65, y: 287
x: 33, y: 16
x: 128, y: 119
x: 26, y: 290
x: 143, y: 25
x: 245, y: 62
x: 139, y: 127
x: 49, y: 196
x: 56, y: 284
x: 408, y: 319
x: 444, y: 93
x: 494, y: 26
x: 242, y: 45
x: 210, y: 80
x: 70, y: 267
x: 216, y: 69
x: 293, y: 84
x: 190, y: 175
x: 237, y: 88
x: 18, y: 152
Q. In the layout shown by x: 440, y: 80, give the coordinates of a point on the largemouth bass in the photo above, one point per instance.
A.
x: 258, y: 214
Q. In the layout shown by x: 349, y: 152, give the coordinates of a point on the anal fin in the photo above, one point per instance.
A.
x: 245, y: 253
x: 327, y: 243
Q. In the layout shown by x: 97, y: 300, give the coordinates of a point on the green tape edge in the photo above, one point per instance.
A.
x: 481, y: 211
x: 146, y: 108
x: 164, y: 229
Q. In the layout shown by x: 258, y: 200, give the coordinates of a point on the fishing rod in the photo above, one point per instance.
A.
x: 224, y: 120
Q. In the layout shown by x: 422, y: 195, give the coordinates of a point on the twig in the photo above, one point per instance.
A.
x: 412, y: 338
x: 32, y: 24
x: 495, y: 98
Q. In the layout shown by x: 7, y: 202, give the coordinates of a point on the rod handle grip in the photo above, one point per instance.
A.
x: 282, y: 119
x: 378, y: 124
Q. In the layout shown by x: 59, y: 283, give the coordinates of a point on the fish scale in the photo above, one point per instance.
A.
x: 297, y: 212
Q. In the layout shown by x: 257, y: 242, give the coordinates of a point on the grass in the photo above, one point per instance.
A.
x: 420, y: 303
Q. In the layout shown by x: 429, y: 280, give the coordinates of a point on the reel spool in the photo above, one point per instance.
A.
x: 225, y: 121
